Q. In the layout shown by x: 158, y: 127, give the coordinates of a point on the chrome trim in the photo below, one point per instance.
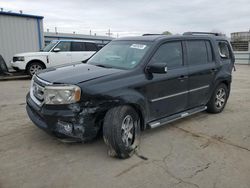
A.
x: 155, y: 124
x: 43, y: 81
x: 199, y: 88
x: 182, y: 115
x: 31, y: 89
x: 32, y: 95
x: 169, y: 96
x: 180, y: 93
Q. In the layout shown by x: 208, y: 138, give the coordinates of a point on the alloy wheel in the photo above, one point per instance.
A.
x: 128, y: 131
x: 220, y: 98
x: 35, y: 68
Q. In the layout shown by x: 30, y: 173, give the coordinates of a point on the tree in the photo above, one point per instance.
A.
x: 166, y: 33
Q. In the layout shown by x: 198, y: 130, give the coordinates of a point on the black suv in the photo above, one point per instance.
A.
x: 132, y: 84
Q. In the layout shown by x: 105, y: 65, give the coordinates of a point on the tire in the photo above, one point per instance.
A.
x: 34, y: 68
x: 218, y: 99
x: 121, y: 131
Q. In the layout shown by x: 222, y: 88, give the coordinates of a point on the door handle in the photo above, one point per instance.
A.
x: 213, y: 70
x: 182, y: 77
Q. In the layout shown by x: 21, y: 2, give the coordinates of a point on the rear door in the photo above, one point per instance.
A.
x: 201, y: 69
x: 167, y: 93
x: 82, y: 51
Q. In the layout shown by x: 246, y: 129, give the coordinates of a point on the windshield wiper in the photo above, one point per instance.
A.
x: 104, y: 66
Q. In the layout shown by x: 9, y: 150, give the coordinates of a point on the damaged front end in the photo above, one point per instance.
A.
x: 79, y: 120
x: 73, y: 121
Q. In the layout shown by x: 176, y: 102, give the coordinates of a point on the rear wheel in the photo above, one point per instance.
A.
x: 218, y: 100
x: 34, y: 68
x: 121, y: 131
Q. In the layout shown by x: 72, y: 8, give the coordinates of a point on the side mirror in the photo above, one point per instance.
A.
x: 56, y: 50
x: 160, y: 68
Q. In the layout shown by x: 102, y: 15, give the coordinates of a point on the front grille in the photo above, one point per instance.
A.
x: 37, y: 90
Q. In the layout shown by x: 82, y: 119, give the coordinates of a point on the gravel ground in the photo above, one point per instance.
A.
x: 203, y: 150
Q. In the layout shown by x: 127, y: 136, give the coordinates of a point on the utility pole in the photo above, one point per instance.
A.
x: 109, y: 33
x: 56, y: 30
x: 90, y: 32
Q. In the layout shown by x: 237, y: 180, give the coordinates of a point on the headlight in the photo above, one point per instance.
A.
x: 62, y: 94
x: 20, y: 58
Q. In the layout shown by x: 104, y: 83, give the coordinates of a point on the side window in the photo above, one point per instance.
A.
x: 224, y: 50
x: 197, y: 52
x: 209, y: 51
x: 169, y: 53
x: 64, y: 46
x: 77, y: 46
x: 90, y: 47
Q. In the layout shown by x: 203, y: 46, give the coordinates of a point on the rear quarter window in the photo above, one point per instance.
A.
x: 224, y: 50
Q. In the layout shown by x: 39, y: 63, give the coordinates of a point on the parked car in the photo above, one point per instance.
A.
x: 132, y: 84
x: 57, y: 52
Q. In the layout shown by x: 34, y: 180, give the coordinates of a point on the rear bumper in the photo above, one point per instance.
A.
x: 52, y: 121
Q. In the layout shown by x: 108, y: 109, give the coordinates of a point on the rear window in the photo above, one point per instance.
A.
x: 91, y: 47
x: 77, y: 46
x: 199, y: 52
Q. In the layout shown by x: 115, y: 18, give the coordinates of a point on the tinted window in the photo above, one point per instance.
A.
x: 224, y: 50
x: 169, y: 53
x: 77, y: 46
x: 64, y: 46
x: 90, y: 47
x: 209, y: 51
x: 197, y: 52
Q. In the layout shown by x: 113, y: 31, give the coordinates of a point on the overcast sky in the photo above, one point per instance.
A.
x: 135, y: 17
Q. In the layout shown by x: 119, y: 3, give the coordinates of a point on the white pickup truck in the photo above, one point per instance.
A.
x: 57, y: 52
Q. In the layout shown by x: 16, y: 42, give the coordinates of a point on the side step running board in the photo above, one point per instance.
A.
x: 175, y: 117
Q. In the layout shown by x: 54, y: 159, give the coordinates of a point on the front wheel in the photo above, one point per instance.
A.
x: 219, y: 99
x: 34, y: 68
x: 121, y: 131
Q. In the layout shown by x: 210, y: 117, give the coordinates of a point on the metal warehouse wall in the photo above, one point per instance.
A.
x: 19, y: 33
x: 49, y: 36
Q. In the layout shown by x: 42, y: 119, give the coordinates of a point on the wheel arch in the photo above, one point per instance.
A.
x: 33, y: 61
x: 133, y: 99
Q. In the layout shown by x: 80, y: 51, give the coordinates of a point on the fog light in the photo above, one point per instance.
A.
x: 67, y: 127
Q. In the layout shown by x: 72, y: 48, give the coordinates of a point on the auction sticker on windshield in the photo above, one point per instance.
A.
x: 138, y: 46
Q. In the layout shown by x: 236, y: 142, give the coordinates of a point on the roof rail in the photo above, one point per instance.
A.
x: 149, y: 34
x: 202, y: 33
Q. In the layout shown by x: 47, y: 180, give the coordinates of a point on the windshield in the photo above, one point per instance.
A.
x: 49, y: 46
x: 120, y: 54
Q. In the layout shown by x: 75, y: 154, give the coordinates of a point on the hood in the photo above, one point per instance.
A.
x: 76, y: 73
x: 32, y: 54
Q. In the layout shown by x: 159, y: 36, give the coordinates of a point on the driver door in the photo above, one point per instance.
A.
x: 167, y: 93
x: 63, y: 56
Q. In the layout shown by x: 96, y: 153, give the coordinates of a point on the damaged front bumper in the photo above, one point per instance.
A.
x: 72, y: 121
